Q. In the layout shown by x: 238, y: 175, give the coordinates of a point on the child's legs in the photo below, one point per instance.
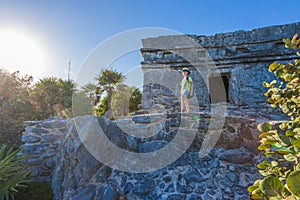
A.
x: 185, y: 101
x: 187, y: 104
x: 182, y: 102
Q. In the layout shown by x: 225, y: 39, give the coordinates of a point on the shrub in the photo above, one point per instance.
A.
x: 15, y: 106
x: 281, y: 145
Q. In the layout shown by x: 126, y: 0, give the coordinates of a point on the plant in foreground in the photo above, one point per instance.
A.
x: 13, y: 174
x: 281, y: 144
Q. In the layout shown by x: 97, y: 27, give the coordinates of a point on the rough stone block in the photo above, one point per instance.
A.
x: 39, y: 130
x: 51, y: 137
x: 236, y: 156
x: 30, y: 138
x: 31, y: 149
x: 152, y: 146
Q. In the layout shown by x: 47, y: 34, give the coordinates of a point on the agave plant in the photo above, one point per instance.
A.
x: 13, y: 174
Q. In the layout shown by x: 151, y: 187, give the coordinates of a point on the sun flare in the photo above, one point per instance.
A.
x: 20, y: 51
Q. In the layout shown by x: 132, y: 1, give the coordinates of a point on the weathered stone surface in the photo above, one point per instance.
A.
x: 194, y: 177
x: 39, y: 130
x: 103, y: 174
x: 51, y: 163
x: 41, y: 140
x: 236, y: 156
x: 35, y: 148
x: 141, y: 119
x: 51, y: 137
x: 189, y: 175
x: 152, y: 146
x: 29, y: 138
x: 88, y: 165
x: 110, y: 193
x: 142, y: 129
x: 141, y: 189
x: 34, y: 161
x: 84, y: 193
x: 54, y: 124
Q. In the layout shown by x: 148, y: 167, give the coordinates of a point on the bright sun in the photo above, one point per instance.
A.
x: 19, y: 51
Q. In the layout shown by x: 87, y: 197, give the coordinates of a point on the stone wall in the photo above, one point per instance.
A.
x: 224, y: 173
x: 241, y: 58
x: 41, y: 141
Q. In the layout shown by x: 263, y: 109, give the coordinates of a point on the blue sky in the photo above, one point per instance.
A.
x: 72, y: 29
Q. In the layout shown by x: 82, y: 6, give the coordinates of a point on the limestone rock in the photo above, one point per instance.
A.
x: 30, y: 138
x: 236, y: 156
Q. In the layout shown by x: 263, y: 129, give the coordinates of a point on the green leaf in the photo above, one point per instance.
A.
x: 271, y: 186
x: 283, y: 126
x: 270, y: 100
x: 295, y: 80
x: 262, y: 147
x: 285, y: 109
x: 290, y: 157
x: 263, y: 165
x: 284, y: 139
x: 279, y: 73
x: 256, y: 196
x: 296, y: 143
x: 265, y: 84
x: 264, y: 127
x: 288, y: 77
x: 293, y: 183
x: 256, y: 183
x: 267, y: 154
x: 297, y: 130
x: 292, y: 149
x: 277, y: 145
x: 271, y: 142
x: 273, y: 82
x: 297, y: 167
x: 282, y: 152
x: 274, y: 163
x: 251, y: 188
x: 265, y: 134
x: 289, y: 133
x: 273, y: 66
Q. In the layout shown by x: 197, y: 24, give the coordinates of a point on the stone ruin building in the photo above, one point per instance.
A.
x: 228, y: 70
x: 239, y: 60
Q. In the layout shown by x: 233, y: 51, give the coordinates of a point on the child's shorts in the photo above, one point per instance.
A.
x: 186, y: 93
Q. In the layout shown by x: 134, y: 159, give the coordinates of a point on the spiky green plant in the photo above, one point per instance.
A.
x: 13, y: 174
x: 281, y: 145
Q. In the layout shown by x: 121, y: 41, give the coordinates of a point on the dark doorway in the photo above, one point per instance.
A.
x: 219, y: 88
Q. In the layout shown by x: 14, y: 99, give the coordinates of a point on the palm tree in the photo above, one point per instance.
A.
x: 89, y: 89
x: 107, y: 82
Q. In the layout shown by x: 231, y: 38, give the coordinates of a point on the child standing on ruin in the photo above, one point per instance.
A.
x: 187, y: 89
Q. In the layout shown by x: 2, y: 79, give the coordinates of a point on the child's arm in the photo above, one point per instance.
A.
x: 192, y: 88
